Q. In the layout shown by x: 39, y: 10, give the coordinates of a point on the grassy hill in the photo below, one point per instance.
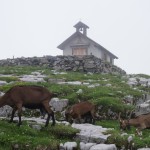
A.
x: 105, y: 90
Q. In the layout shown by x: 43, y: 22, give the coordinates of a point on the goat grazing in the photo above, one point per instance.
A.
x: 140, y: 122
x: 28, y: 96
x: 80, y: 110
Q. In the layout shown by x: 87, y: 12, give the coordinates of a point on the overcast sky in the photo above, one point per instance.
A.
x: 36, y: 27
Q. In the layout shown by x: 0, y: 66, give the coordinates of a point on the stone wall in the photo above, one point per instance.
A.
x: 69, y: 63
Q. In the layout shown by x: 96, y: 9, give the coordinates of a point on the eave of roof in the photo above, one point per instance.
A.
x: 61, y: 46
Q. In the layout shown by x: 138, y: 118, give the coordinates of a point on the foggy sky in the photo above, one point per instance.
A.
x: 36, y: 27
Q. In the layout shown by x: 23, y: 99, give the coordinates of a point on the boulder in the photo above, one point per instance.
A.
x: 32, y: 78
x: 104, y: 147
x: 3, y: 83
x: 5, y: 111
x: 91, y: 133
x: 86, y: 146
x: 58, y: 104
x: 70, y: 145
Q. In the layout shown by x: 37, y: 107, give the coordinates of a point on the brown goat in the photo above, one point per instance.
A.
x: 81, y: 110
x: 141, y: 122
x: 32, y: 97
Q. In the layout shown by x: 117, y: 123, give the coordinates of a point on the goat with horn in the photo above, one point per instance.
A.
x: 140, y: 122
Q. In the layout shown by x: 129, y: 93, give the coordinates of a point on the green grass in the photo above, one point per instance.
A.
x: 9, y: 79
x: 108, y: 124
x: 102, y: 95
x: 20, y: 70
x: 11, y: 134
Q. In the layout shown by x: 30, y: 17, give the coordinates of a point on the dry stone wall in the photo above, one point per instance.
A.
x: 67, y: 63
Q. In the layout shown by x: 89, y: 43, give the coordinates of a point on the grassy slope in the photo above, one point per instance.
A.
x: 25, y: 136
x: 101, y: 95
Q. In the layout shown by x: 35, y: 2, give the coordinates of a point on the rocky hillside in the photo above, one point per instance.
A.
x: 112, y: 93
x: 67, y: 63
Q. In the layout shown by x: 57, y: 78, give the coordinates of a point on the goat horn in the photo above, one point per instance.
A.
x: 131, y: 113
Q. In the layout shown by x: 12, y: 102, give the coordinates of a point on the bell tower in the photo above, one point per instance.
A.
x: 81, y: 27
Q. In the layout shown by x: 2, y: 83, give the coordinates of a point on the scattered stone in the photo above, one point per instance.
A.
x: 143, y: 149
x: 32, y: 78
x: 104, y: 147
x: 5, y: 111
x: 80, y: 91
x: 58, y: 104
x: 36, y: 126
x: 56, y: 80
x: 91, y: 133
x: 86, y: 146
x: 3, y: 83
x: 70, y: 145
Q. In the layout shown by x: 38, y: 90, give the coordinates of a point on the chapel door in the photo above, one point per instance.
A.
x: 79, y: 51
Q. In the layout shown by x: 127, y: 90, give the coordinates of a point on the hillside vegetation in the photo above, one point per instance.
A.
x: 105, y: 90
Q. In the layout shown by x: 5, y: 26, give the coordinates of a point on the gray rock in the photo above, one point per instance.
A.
x: 86, y: 146
x: 36, y: 126
x: 143, y: 149
x: 32, y: 78
x: 3, y: 83
x: 70, y: 145
x: 104, y: 147
x: 5, y: 111
x: 58, y: 104
x: 91, y: 133
x: 56, y: 80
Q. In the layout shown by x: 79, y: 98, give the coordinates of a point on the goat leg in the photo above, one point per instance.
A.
x: 53, y: 118
x: 50, y: 113
x: 79, y: 118
x: 47, y: 121
x: 19, y: 106
x: 48, y: 118
x: 93, y: 116
x: 93, y: 121
x: 12, y: 115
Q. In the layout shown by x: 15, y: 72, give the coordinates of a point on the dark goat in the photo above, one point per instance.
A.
x: 81, y: 110
x: 28, y: 96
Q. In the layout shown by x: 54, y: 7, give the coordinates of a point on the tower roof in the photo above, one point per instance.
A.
x: 80, y: 25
